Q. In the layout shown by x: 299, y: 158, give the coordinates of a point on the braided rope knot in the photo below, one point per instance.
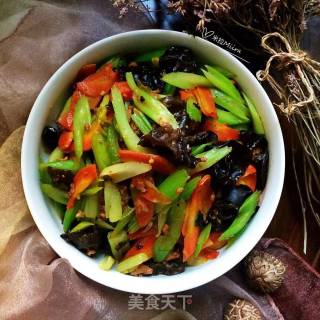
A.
x: 299, y: 59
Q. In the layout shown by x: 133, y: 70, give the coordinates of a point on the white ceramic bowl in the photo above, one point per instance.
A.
x: 46, y: 108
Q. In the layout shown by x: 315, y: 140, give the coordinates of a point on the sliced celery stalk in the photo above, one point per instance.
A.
x: 81, y: 226
x: 229, y: 118
x: 54, y: 193
x: 91, y: 206
x: 212, y: 157
x: 230, y: 104
x: 141, y: 121
x: 115, y: 241
x: 203, y: 237
x: 106, y: 263
x: 100, y: 151
x: 185, y: 80
x: 256, y: 120
x: 122, y: 171
x: 112, y: 201
x: 81, y: 118
x: 190, y: 186
x: 193, y: 112
x: 223, y: 83
x: 131, y: 262
x: 128, y: 135
x: 55, y: 155
x: 247, y: 209
x: 150, y: 106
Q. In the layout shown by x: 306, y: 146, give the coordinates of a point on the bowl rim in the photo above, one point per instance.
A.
x: 151, y: 285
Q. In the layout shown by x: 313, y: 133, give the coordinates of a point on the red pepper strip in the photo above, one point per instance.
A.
x: 186, y: 94
x: 86, y: 71
x: 201, y: 200
x: 145, y: 184
x: 81, y: 181
x: 94, y: 102
x: 66, y: 119
x: 65, y: 140
x: 143, y: 209
x: 214, y: 243
x: 87, y: 138
x: 142, y: 233
x: 158, y: 163
x: 249, y: 178
x: 206, y: 102
x: 224, y: 132
x: 143, y: 245
x: 125, y: 90
x: 99, y: 83
x: 209, y: 253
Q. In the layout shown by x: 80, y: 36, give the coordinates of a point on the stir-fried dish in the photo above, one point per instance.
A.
x: 156, y: 161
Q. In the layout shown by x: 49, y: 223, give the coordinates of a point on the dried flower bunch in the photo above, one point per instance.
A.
x: 291, y: 73
x: 203, y: 9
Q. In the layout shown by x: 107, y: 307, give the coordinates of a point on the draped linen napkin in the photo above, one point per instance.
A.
x: 36, y: 37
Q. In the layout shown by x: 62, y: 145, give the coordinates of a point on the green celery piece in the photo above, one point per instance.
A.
x: 131, y: 262
x: 213, y: 156
x: 54, y: 193
x: 242, y: 127
x: 169, y: 89
x: 246, y: 211
x: 65, y: 108
x: 189, y: 188
x: 113, y: 145
x: 165, y: 243
x: 70, y: 215
x: 133, y: 225
x: 141, y: 121
x: 172, y: 183
x: 105, y: 101
x: 112, y: 200
x: 162, y: 214
x: 103, y: 225
x: 126, y: 218
x: 225, y: 72
x: 82, y: 225
x: 106, y: 263
x: 169, y: 188
x: 128, y: 135
x: 81, y: 118
x: 223, y: 83
x: 91, y: 191
x: 91, y: 206
x: 193, y: 112
x: 150, y: 106
x: 44, y: 175
x: 116, y: 62
x: 199, y: 149
x: 114, y: 242
x: 185, y: 80
x: 55, y: 155
x: 229, y: 118
x: 256, y: 120
x: 149, y: 56
x: 100, y: 151
x: 68, y: 165
x: 230, y: 104
x: 203, y: 237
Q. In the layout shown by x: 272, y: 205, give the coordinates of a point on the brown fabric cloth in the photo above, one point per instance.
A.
x: 36, y: 38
